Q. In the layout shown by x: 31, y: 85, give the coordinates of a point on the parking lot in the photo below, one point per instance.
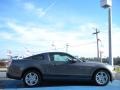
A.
x: 6, y: 83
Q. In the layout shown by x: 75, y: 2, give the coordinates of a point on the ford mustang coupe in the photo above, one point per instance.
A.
x: 59, y: 66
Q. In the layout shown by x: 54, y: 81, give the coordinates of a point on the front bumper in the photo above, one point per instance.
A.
x: 113, y: 75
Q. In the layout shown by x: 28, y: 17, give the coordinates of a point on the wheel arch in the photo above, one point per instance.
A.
x: 32, y: 68
x: 102, y: 69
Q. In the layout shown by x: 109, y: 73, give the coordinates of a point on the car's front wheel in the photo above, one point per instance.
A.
x: 102, y: 77
x: 32, y: 78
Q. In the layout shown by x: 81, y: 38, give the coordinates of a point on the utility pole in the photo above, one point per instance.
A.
x: 53, y: 46
x: 9, y: 53
x: 101, y: 52
x: 67, y: 45
x: 96, y: 33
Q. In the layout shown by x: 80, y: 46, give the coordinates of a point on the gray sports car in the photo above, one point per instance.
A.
x: 59, y: 66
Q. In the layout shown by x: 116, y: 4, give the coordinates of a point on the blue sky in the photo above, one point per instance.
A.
x: 32, y: 26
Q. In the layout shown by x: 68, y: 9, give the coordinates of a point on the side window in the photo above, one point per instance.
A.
x: 38, y: 57
x: 60, y: 57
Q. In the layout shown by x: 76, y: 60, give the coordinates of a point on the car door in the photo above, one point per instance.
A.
x: 62, y: 66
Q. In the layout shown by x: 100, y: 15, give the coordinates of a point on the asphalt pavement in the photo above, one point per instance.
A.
x: 6, y: 83
x: 18, y: 85
x: 117, y: 77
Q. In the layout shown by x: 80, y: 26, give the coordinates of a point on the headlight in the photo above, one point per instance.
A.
x: 111, y: 68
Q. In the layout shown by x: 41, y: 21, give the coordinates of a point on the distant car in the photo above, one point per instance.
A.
x: 59, y: 66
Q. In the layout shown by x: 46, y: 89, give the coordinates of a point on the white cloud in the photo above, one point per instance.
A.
x: 44, y: 37
x: 81, y: 41
x: 5, y: 35
x: 115, y: 40
x: 39, y: 11
x: 29, y: 6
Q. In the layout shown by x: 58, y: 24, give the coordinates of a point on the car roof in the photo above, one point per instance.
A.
x: 46, y: 53
x: 51, y: 52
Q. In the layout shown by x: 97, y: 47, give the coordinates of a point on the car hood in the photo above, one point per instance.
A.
x: 100, y: 65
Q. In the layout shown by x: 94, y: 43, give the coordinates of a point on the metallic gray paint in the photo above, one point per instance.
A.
x: 57, y: 70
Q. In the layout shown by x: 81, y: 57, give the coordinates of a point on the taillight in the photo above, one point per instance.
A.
x: 9, y: 63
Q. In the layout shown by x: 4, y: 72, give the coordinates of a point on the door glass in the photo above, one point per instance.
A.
x: 60, y: 57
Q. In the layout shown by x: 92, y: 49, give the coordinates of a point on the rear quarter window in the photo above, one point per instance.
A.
x: 37, y: 57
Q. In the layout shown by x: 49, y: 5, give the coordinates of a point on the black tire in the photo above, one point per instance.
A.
x: 32, y: 78
x: 101, y: 78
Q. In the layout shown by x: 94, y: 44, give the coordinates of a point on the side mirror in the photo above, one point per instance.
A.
x: 72, y: 61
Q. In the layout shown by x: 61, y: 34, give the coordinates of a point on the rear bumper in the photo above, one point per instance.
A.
x: 12, y: 76
x: 14, y: 72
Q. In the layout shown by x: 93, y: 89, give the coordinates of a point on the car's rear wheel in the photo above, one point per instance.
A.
x: 32, y: 78
x: 102, y: 77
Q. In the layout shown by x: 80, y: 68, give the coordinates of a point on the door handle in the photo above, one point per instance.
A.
x: 53, y: 64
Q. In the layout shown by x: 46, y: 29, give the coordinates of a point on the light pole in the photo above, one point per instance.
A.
x: 108, y: 4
